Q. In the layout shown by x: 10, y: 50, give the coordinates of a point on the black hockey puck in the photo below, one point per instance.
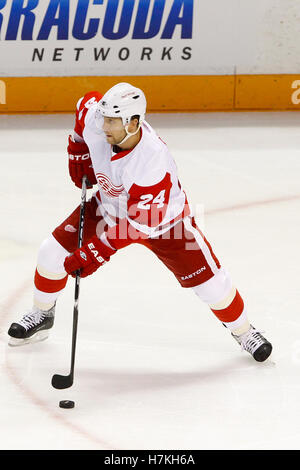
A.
x: 66, y: 404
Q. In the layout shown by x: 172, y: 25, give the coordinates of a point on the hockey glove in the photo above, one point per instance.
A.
x: 80, y: 163
x: 88, y: 258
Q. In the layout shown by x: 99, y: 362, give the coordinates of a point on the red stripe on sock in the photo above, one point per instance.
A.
x: 49, y: 285
x: 233, y: 311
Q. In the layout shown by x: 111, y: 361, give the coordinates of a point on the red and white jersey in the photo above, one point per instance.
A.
x: 140, y: 184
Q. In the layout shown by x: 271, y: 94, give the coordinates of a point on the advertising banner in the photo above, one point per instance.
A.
x: 130, y: 37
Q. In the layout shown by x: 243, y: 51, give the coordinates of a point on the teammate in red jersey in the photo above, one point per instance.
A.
x: 139, y: 199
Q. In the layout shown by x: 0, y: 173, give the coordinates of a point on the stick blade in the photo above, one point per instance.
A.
x: 62, y: 381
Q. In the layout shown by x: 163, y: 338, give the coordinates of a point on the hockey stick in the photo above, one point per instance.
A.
x: 66, y: 381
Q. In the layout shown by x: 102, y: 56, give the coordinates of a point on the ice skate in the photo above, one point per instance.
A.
x: 254, y: 343
x: 33, y: 327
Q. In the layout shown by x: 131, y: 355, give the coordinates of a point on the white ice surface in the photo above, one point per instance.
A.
x: 154, y: 367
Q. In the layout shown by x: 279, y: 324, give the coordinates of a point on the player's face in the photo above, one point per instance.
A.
x: 114, y: 130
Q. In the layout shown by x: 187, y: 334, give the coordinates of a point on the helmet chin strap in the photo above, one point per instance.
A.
x: 129, y: 134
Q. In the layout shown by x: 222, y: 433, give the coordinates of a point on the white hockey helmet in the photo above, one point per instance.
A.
x: 123, y: 100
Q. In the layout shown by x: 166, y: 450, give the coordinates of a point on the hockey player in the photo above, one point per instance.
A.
x: 139, y: 199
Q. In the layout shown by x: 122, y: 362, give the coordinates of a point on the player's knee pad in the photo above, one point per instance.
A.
x: 51, y: 256
x: 216, y: 289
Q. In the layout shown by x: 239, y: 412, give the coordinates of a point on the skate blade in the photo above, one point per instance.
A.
x: 39, y: 336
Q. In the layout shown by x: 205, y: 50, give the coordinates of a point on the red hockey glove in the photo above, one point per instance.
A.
x: 88, y: 258
x: 80, y: 163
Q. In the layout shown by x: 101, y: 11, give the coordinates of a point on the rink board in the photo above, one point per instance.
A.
x: 164, y: 93
x: 52, y: 52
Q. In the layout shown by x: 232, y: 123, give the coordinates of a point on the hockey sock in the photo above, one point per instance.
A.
x: 232, y: 313
x: 47, y: 288
x: 50, y: 277
x: 225, y: 302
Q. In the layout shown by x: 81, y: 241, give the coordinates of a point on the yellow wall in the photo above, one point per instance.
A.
x: 164, y: 93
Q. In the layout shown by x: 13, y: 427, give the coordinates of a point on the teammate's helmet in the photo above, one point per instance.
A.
x: 123, y: 100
